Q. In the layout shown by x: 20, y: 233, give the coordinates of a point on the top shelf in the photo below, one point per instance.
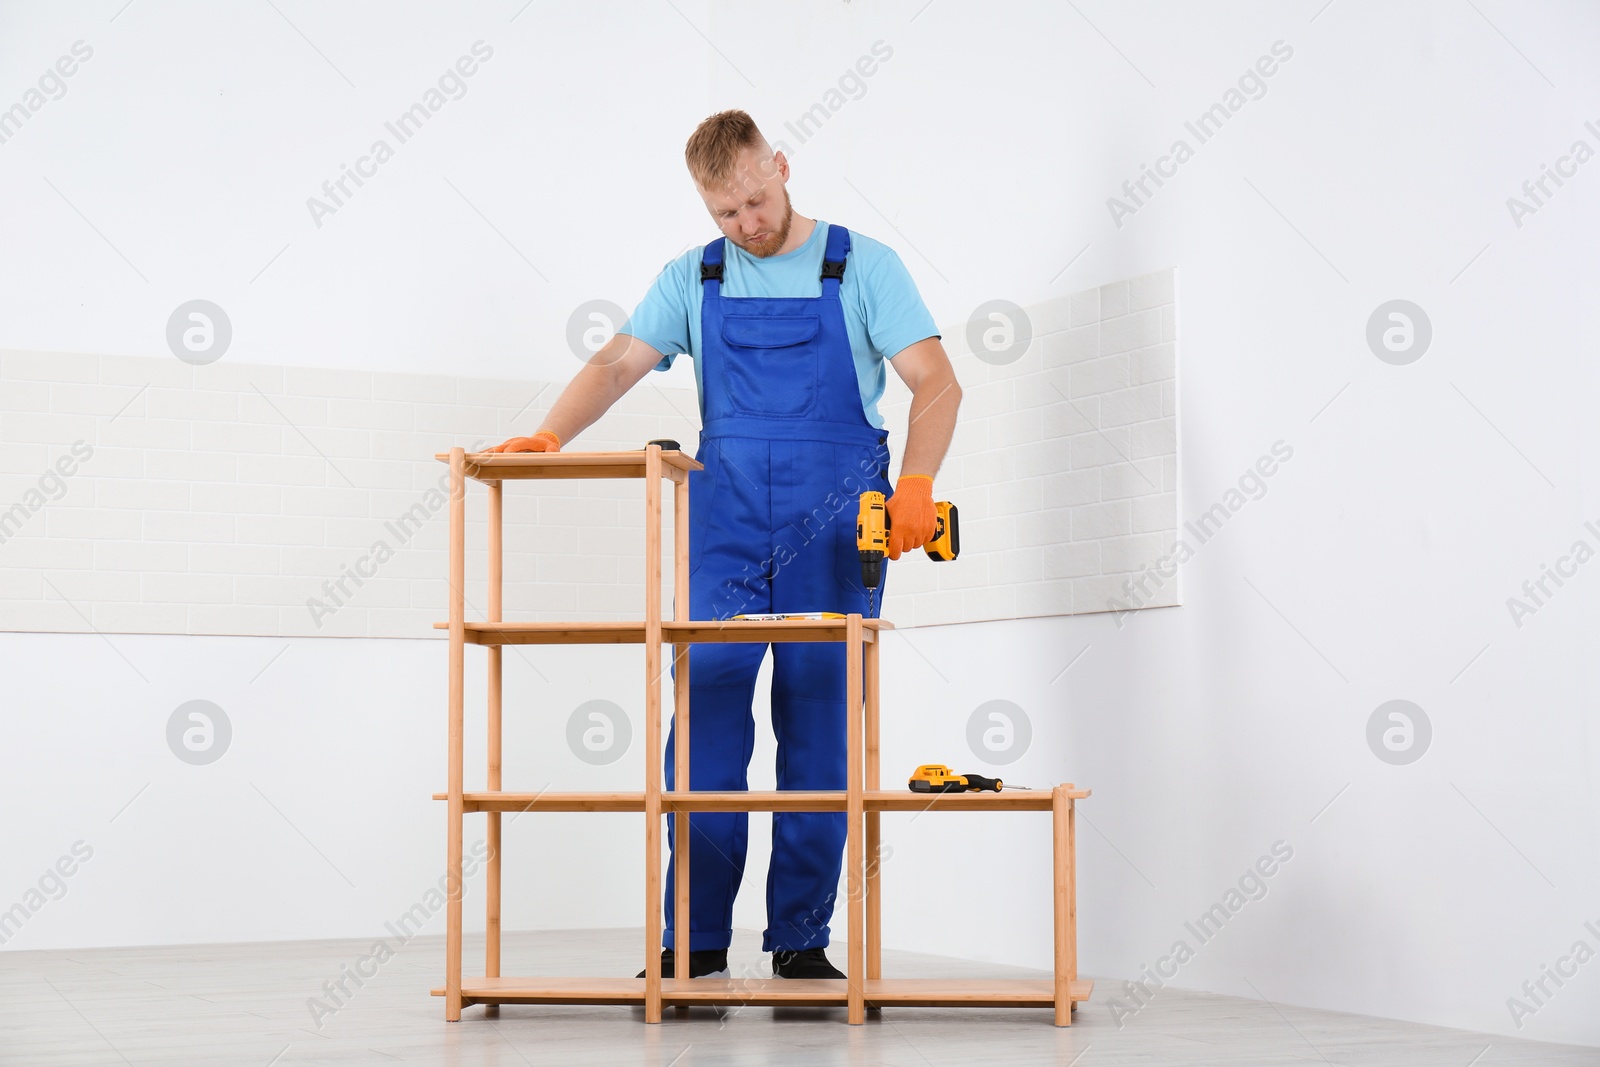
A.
x: 510, y: 466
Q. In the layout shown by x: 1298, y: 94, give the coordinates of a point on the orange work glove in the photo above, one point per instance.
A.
x: 912, y: 517
x: 543, y: 441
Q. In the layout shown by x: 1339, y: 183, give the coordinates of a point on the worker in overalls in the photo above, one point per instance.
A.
x: 789, y: 321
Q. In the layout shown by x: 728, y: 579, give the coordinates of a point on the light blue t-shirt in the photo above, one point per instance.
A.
x: 883, y: 312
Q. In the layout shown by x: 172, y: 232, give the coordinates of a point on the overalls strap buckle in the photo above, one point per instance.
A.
x: 711, y: 262
x: 831, y: 269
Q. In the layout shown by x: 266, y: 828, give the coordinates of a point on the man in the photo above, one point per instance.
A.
x: 788, y: 321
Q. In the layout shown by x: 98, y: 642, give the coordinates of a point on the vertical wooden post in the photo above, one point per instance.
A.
x: 458, y: 570
x: 652, y: 733
x: 1072, y: 891
x: 491, y: 941
x: 855, y: 1002
x: 680, y: 720
x: 874, y: 830
x: 1066, y: 931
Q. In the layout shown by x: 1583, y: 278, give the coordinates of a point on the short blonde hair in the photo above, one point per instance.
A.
x: 716, y: 144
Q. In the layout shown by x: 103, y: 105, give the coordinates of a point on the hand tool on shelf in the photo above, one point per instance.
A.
x: 937, y: 778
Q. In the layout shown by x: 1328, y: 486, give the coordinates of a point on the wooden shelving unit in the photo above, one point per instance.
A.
x: 863, y: 799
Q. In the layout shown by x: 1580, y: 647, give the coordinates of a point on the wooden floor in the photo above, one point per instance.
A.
x: 248, y: 1005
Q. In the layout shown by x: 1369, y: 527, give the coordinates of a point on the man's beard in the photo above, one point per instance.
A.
x: 770, y: 245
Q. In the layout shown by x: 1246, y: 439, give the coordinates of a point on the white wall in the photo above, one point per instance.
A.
x: 1377, y: 565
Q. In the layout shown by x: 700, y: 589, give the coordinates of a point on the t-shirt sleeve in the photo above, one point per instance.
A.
x: 895, y: 314
x: 662, y: 318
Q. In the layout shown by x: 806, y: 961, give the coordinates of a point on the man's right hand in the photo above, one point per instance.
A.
x: 543, y: 441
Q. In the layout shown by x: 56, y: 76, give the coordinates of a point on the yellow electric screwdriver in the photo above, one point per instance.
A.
x: 872, y: 536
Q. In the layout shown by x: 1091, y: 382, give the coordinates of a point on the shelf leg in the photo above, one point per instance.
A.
x: 874, y: 829
x: 680, y: 706
x: 652, y: 731
x: 1066, y: 925
x: 681, y: 946
x: 452, y: 937
x: 1072, y: 891
x: 855, y: 880
x: 491, y: 941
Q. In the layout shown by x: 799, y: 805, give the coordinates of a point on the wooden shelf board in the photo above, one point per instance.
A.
x: 971, y: 992
x: 551, y: 633
x: 759, y: 800
x: 632, y: 632
x: 900, y: 992
x: 550, y: 990
x: 778, y: 630
x: 548, y: 801
x: 1005, y: 800
x: 755, y: 800
x: 517, y: 466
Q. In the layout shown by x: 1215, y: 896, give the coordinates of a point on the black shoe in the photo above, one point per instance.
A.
x: 709, y: 963
x: 807, y: 963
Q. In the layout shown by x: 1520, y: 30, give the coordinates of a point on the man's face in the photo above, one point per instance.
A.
x: 752, y: 209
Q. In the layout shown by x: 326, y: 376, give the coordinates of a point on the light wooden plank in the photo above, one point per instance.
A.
x: 458, y: 558
x: 492, y: 836
x: 652, y: 733
x: 1061, y: 854
x: 855, y: 883
x: 874, y: 920
x: 739, y: 630
x: 549, y: 801
x: 633, y: 632
x: 680, y: 718
x: 552, y: 633
x: 756, y: 800
x: 900, y: 992
x: 971, y: 992
x: 1005, y: 800
x: 520, y: 466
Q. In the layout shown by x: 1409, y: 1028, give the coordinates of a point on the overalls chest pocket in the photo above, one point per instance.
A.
x: 773, y: 363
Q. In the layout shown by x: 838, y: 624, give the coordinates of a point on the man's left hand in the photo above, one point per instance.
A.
x: 912, y: 517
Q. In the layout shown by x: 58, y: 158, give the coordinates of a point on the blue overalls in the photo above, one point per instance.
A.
x: 788, y: 451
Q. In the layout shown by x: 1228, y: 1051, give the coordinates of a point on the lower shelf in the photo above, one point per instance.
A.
x: 903, y: 992
x: 764, y: 800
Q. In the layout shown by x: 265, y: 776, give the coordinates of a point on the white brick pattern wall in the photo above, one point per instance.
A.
x: 1064, y: 466
x: 249, y: 499
x: 220, y: 499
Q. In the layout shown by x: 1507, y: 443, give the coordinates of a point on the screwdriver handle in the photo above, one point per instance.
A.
x: 979, y: 782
